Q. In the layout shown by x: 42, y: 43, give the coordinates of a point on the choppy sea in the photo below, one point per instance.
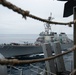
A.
x: 21, y: 38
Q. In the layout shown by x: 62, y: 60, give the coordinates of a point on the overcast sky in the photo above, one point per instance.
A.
x: 13, y: 23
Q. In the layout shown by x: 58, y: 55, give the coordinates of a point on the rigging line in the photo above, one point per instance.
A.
x: 40, y: 73
x: 26, y: 13
x: 42, y: 69
x: 35, y: 72
x: 15, y: 61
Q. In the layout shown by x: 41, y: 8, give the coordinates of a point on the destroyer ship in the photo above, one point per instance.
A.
x: 29, y: 51
x: 16, y: 49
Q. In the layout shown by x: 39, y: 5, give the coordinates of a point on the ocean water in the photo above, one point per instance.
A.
x: 17, y: 38
x: 21, y: 38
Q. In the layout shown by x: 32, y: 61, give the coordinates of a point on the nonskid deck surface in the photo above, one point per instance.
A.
x: 26, y: 69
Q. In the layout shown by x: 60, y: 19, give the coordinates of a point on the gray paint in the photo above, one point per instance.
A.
x: 50, y: 65
x: 3, y: 68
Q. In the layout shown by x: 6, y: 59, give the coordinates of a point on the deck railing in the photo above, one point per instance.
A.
x: 16, y: 61
x: 26, y: 13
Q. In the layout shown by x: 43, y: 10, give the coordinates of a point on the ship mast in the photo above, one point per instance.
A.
x: 47, y: 25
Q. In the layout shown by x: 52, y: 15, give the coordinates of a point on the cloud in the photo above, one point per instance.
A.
x: 13, y: 23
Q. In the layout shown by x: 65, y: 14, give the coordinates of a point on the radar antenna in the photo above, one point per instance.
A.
x: 47, y: 25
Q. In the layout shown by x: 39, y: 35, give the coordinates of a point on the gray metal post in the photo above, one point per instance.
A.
x: 59, y: 60
x: 50, y: 65
x: 74, y: 12
x: 21, y: 72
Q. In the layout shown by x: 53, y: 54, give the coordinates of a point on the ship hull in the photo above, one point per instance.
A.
x: 16, y: 50
x: 9, y: 51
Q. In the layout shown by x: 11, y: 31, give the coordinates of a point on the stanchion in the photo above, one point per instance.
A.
x: 74, y: 11
x: 50, y: 65
x: 59, y: 60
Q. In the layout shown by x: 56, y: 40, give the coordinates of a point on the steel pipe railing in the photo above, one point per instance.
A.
x: 15, y: 61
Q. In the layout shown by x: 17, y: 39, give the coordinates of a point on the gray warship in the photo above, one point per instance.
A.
x: 16, y: 49
x: 29, y: 51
